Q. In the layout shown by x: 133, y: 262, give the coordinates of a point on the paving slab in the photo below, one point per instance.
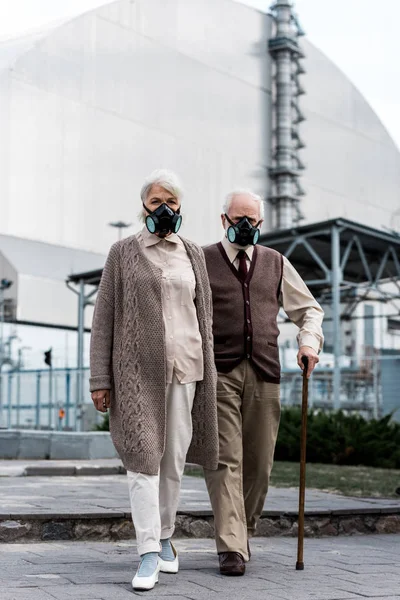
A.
x: 105, y: 495
x: 335, y: 569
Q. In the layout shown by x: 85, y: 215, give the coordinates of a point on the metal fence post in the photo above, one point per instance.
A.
x: 37, y: 415
x: 50, y: 397
x: 18, y: 399
x: 9, y: 397
x: 81, y: 333
x: 67, y: 396
x: 375, y: 386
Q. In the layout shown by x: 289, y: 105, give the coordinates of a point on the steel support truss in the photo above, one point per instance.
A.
x: 343, y: 263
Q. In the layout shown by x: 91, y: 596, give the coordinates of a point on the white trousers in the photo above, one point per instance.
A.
x: 154, y: 498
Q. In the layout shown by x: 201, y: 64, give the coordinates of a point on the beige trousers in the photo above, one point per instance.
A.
x: 248, y: 421
x: 154, y: 498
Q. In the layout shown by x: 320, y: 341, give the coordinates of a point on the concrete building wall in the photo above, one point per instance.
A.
x: 98, y: 102
x: 106, y: 98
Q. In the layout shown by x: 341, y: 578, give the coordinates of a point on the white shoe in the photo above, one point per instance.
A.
x: 146, y: 583
x: 169, y: 566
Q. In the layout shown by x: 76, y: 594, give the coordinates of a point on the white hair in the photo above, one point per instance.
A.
x: 238, y: 192
x: 164, y: 178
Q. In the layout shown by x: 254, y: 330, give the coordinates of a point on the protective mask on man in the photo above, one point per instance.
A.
x: 243, y: 232
x: 163, y: 220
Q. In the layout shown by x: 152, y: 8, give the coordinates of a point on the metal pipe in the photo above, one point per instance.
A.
x: 1, y: 350
x: 336, y: 280
x: 67, y: 397
x: 80, y: 391
x: 9, y: 397
x: 18, y: 398
x: 284, y: 175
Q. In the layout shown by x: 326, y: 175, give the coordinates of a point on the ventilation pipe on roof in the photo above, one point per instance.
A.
x: 286, y: 163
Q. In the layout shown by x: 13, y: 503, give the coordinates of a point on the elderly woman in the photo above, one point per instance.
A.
x: 152, y: 364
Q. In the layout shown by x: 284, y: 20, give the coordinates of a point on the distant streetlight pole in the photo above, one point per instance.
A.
x: 120, y: 225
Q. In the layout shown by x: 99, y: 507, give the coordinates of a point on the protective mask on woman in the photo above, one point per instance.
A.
x: 243, y: 232
x: 163, y: 220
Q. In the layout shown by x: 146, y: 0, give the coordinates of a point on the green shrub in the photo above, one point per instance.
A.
x: 336, y: 438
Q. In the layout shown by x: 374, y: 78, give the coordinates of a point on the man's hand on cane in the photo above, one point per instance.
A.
x: 312, y: 356
x: 101, y: 400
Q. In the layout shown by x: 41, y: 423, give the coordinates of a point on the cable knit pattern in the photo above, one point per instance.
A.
x: 127, y: 356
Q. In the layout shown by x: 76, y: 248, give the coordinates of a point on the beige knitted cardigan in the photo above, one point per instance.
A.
x: 127, y: 356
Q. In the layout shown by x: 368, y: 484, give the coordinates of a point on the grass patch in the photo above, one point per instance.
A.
x: 347, y: 480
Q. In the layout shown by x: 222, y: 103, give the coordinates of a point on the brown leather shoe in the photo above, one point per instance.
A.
x: 231, y: 563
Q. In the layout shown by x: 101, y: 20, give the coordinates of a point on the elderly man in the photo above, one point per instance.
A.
x: 249, y: 284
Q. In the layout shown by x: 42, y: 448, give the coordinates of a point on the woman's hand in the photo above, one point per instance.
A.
x: 101, y: 400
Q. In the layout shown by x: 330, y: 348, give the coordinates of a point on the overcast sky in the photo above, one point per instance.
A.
x: 362, y: 40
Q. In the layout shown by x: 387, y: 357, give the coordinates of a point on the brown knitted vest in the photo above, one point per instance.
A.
x: 245, y: 312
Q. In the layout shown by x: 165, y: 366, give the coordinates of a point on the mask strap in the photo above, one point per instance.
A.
x: 146, y: 209
x: 178, y: 211
x: 234, y: 224
x: 229, y: 221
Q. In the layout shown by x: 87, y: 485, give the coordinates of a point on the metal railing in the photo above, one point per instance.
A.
x: 372, y: 388
x: 44, y: 399
x: 47, y: 399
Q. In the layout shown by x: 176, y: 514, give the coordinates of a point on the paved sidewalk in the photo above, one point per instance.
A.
x: 106, y: 496
x: 335, y: 569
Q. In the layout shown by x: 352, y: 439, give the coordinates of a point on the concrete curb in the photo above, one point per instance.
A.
x: 71, y: 470
x: 53, y: 445
x: 113, y: 526
x: 68, y: 471
x: 66, y: 468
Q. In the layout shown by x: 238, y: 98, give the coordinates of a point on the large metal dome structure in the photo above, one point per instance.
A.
x: 90, y: 106
x: 223, y: 94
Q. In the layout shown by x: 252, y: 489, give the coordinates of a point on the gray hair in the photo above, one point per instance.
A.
x: 232, y: 195
x: 164, y: 178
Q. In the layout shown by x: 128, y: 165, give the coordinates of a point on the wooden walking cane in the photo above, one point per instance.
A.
x: 302, y: 486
